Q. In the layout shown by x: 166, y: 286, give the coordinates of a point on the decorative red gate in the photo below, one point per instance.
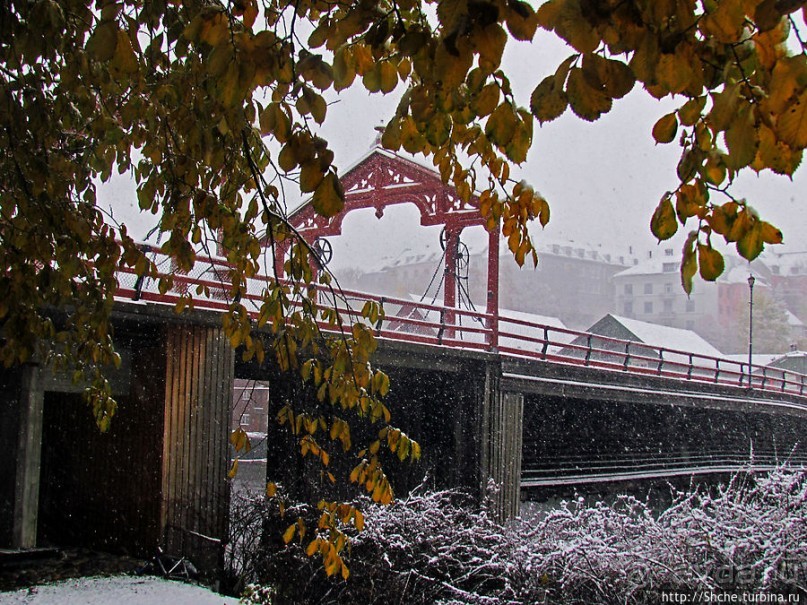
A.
x: 384, y: 179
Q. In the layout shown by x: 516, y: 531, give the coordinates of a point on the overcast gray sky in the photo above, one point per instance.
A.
x: 602, y: 179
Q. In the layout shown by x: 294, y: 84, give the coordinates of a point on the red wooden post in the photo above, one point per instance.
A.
x: 450, y: 282
x: 493, y: 287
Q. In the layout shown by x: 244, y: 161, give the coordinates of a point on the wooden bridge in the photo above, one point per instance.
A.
x: 490, y: 397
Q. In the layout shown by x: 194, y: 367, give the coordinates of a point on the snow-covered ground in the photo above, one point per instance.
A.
x: 117, y: 590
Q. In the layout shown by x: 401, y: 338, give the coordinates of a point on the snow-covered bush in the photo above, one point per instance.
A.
x: 437, y: 547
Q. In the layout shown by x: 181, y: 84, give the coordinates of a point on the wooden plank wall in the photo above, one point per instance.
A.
x: 195, y: 490
x: 501, y: 461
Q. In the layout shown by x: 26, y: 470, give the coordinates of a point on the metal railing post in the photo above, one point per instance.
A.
x: 380, y: 321
x: 627, y: 356
x: 546, y: 342
x: 588, y: 351
x: 442, y: 326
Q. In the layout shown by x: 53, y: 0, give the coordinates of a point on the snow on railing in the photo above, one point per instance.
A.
x: 414, y: 321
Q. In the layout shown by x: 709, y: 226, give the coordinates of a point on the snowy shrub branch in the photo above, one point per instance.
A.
x: 436, y: 547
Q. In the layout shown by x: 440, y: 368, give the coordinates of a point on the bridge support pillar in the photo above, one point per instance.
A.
x: 195, y: 489
x: 502, y: 423
x: 21, y: 405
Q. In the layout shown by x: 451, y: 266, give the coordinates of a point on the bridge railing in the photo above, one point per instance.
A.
x: 413, y: 320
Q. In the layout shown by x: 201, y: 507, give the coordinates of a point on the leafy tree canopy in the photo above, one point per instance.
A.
x: 191, y: 97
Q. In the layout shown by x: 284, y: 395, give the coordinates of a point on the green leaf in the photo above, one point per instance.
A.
x: 664, y: 224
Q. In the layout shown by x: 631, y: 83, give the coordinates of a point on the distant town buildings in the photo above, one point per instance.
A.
x: 651, y: 291
x: 572, y: 281
x: 250, y: 409
x: 579, y: 284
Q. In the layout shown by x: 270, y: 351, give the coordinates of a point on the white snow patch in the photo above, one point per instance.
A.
x: 120, y: 590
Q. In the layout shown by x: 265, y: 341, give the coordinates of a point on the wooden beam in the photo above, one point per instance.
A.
x: 29, y: 458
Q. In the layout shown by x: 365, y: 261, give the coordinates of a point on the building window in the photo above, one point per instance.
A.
x: 668, y: 288
x: 648, y: 307
x: 690, y: 306
x: 668, y: 306
x: 648, y: 288
x: 669, y: 267
x: 669, y: 252
x: 629, y: 309
x: 628, y: 288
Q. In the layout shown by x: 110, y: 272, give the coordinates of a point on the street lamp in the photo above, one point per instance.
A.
x: 751, y: 281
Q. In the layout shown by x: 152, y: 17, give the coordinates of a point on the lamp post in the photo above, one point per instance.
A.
x: 751, y: 281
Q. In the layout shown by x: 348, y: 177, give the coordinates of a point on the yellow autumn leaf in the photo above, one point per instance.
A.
x: 486, y: 100
x: 750, y: 245
x: 791, y: 127
x: 215, y: 29
x: 489, y: 43
x: 770, y: 234
x: 710, y: 261
x: 501, y: 125
x: 690, y: 112
x: 329, y: 197
x: 388, y: 76
x: 674, y: 72
x: 548, y: 101
x: 310, y: 176
x: 689, y: 263
x: 775, y: 154
x: 741, y: 140
x: 724, y: 107
x: 725, y: 22
x: 288, y: 535
x: 233, y: 470
x: 271, y: 489
x: 714, y: 171
x: 571, y: 24
x: 665, y: 128
x: 521, y: 20
x: 344, y: 70
x: 103, y: 41
x: 586, y: 101
x: 663, y: 224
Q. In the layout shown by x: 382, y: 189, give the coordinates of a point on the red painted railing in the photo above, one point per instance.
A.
x: 414, y: 321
